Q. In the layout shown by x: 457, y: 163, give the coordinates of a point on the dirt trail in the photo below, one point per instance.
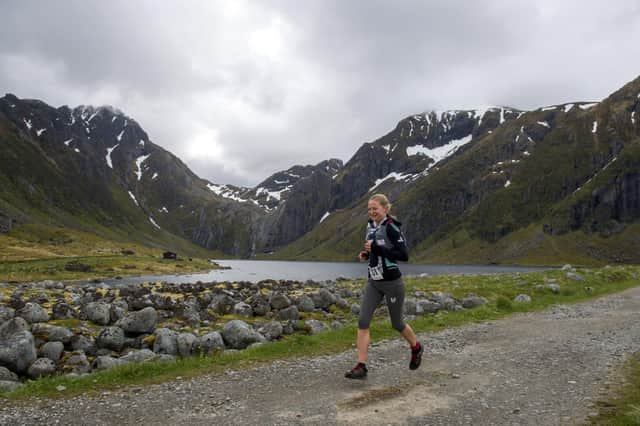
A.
x: 545, y: 368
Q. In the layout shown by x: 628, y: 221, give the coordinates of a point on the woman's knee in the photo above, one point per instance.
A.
x: 398, y: 325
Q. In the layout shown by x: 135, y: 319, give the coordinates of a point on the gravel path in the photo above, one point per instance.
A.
x: 543, y: 368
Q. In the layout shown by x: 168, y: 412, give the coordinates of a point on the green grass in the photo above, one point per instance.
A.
x: 623, y: 409
x: 499, y: 289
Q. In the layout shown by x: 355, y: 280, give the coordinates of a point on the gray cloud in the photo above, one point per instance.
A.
x: 242, y: 89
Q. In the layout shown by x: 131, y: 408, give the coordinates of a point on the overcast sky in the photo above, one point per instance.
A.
x: 241, y: 89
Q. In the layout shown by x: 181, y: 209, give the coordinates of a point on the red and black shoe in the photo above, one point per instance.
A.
x: 416, y: 356
x: 357, y: 372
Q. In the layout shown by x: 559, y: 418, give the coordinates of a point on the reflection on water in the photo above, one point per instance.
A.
x: 258, y: 270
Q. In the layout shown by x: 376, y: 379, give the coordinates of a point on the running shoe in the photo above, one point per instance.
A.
x: 416, y: 357
x: 357, y: 372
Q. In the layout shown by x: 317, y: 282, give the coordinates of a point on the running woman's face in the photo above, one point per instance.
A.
x: 376, y: 211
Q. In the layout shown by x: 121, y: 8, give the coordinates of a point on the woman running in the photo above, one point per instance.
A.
x: 384, y: 246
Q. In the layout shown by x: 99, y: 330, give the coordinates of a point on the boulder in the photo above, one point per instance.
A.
x: 186, y: 342
x: 33, y: 312
x: 9, y: 386
x: 290, y: 313
x: 62, y: 310
x: 410, y: 307
x: 323, y: 298
x: 306, y: 304
x: 238, y: 335
x: 41, y: 367
x: 341, y: 303
x: 221, y: 304
x: 554, y: 288
x: 166, y: 341
x: 209, y: 343
x: 522, y: 298
x: 426, y: 306
x: 75, y: 362
x: 111, y: 338
x: 271, y: 330
x: 139, y: 356
x: 17, y: 347
x: 6, y: 313
x: 472, y: 301
x: 51, y: 350
x: 118, y: 310
x: 259, y: 304
x: 574, y: 277
x: 105, y: 363
x: 8, y: 375
x: 279, y: 301
x: 138, y: 322
x: 243, y: 309
x: 315, y: 326
x: 191, y: 314
x: 84, y: 343
x: 51, y: 333
x: 98, y: 312
x: 355, y: 309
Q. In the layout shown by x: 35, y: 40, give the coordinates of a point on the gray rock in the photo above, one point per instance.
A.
x: 7, y: 375
x: 139, y: 356
x: 315, y: 326
x: 6, y: 313
x: 186, y: 342
x: 98, y: 312
x: 306, y: 304
x: 410, y: 307
x: 76, y: 363
x: 290, y: 313
x: 41, y: 367
x: 238, y: 335
x: 9, y: 386
x: 567, y: 267
x: 51, y: 350
x: 138, y: 322
x: 522, y: 298
x: 111, y: 338
x: 288, y: 328
x: 191, y: 314
x: 341, y: 303
x: 33, y: 312
x: 279, y: 301
x: 426, y: 306
x: 554, y: 288
x: 222, y: 304
x: 118, y: 310
x: 86, y: 344
x: 243, y: 309
x: 271, y: 330
x: 17, y: 351
x: 12, y: 326
x: 574, y: 277
x: 355, y: 309
x: 105, y: 363
x: 62, y: 310
x: 166, y: 341
x: 209, y: 343
x: 323, y: 298
x: 51, y: 333
x: 472, y: 301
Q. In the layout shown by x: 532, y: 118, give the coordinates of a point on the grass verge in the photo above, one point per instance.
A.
x: 623, y: 408
x: 499, y: 289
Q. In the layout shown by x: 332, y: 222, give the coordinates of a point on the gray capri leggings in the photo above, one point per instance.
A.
x: 373, y: 293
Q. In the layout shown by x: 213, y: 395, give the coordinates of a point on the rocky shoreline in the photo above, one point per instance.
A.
x: 50, y: 328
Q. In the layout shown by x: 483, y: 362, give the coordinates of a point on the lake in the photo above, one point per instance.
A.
x: 258, y: 270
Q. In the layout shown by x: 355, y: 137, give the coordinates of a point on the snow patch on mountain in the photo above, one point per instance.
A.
x: 108, y: 156
x: 139, y: 162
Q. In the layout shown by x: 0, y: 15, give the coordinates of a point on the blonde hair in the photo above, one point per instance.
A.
x: 382, y: 199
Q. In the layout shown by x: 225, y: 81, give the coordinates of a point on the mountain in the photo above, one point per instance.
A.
x: 488, y: 185
x: 545, y: 186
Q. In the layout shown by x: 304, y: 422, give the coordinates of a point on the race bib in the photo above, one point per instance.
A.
x: 375, y: 272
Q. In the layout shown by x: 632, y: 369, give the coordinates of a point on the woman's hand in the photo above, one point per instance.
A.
x: 363, y: 256
x: 367, y: 246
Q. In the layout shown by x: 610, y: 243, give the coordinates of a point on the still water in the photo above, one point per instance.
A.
x: 258, y: 270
